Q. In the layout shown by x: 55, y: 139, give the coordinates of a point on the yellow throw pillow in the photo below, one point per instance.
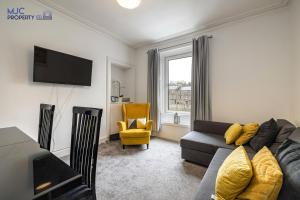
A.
x: 232, y: 133
x: 234, y: 175
x: 248, y: 131
x: 267, y: 177
x: 141, y: 123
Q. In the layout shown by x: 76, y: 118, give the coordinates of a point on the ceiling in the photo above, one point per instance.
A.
x: 156, y: 20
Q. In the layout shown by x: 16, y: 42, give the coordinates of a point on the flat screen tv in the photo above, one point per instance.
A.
x: 56, y: 67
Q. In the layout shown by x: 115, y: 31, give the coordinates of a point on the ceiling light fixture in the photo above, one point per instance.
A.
x: 129, y: 4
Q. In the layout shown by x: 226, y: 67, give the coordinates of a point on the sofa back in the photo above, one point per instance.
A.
x: 288, y: 156
x: 218, y: 128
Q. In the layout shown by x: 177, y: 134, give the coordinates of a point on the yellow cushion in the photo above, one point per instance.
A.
x: 135, y: 141
x: 135, y: 133
x: 232, y: 133
x: 141, y: 123
x: 267, y: 177
x: 248, y: 131
x: 234, y: 175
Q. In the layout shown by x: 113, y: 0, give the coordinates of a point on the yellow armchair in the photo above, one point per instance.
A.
x: 135, y: 136
x: 149, y: 125
x: 122, y: 126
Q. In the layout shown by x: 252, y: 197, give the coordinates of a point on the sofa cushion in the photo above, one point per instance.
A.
x: 135, y: 133
x: 281, y: 123
x: 285, y: 129
x: 248, y: 131
x: 233, y: 133
x: 267, y: 177
x: 288, y: 156
x: 207, y: 185
x: 205, y: 142
x: 265, y: 135
x: 295, y: 136
x: 234, y: 174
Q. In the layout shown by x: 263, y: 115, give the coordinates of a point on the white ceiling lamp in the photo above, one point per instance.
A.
x: 129, y: 4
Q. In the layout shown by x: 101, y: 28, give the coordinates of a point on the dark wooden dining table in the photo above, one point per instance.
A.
x: 29, y: 172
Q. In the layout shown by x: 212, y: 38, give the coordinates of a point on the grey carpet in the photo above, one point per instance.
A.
x: 136, y: 173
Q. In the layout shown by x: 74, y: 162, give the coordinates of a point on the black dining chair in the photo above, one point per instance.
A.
x: 84, y: 145
x: 45, y: 125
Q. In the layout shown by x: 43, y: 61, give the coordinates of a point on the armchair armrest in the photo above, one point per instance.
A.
x: 121, y: 125
x: 149, y: 125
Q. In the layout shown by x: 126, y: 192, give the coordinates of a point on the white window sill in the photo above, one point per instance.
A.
x: 175, y: 125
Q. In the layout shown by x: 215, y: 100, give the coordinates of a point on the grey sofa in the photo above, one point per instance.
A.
x: 205, y: 145
x: 200, y: 145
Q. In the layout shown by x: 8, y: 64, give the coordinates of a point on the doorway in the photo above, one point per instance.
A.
x: 120, y: 88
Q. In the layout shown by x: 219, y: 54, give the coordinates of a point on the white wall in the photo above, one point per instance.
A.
x: 126, y: 77
x: 173, y: 132
x: 250, y: 68
x: 20, y: 97
x: 294, y: 6
x: 118, y: 74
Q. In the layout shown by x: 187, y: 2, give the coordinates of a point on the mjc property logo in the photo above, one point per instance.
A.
x: 20, y: 14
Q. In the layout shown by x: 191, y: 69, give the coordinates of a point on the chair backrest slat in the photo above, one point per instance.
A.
x: 45, y: 125
x: 84, y: 143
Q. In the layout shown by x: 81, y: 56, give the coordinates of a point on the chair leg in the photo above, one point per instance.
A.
x: 94, y: 196
x: 147, y: 146
x: 123, y: 146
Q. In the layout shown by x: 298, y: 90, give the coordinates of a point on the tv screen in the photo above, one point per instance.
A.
x: 56, y: 67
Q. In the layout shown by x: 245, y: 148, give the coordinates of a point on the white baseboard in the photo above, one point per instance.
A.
x: 62, y: 152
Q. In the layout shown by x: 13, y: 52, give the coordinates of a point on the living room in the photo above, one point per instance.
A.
x: 157, y: 84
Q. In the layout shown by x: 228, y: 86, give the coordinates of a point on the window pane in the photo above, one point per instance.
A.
x: 179, y: 87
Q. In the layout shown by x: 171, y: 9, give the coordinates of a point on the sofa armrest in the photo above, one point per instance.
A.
x: 121, y: 125
x: 149, y: 125
x: 211, y: 127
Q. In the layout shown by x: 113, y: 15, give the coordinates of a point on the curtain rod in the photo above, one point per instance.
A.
x: 160, y: 49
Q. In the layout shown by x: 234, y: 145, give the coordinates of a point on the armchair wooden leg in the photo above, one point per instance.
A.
x: 123, y: 146
x: 147, y: 146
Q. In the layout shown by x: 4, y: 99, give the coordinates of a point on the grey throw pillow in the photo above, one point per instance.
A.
x: 285, y: 130
x: 295, y: 136
x: 265, y: 135
x: 281, y: 123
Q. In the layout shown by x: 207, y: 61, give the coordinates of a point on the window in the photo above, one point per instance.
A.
x: 179, y: 84
x: 176, y: 91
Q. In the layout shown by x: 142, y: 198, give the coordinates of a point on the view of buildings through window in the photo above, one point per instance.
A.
x: 179, y: 84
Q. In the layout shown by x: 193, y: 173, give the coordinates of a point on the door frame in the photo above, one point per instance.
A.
x: 109, y: 62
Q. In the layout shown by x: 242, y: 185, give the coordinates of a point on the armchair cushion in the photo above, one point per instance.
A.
x: 139, y: 123
x: 135, y: 133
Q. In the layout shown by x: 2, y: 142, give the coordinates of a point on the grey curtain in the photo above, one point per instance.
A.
x: 153, y: 88
x: 201, y: 102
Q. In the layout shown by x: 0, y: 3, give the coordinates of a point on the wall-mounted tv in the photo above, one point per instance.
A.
x: 56, y: 67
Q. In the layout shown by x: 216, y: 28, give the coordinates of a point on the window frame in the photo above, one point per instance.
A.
x: 166, y: 82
